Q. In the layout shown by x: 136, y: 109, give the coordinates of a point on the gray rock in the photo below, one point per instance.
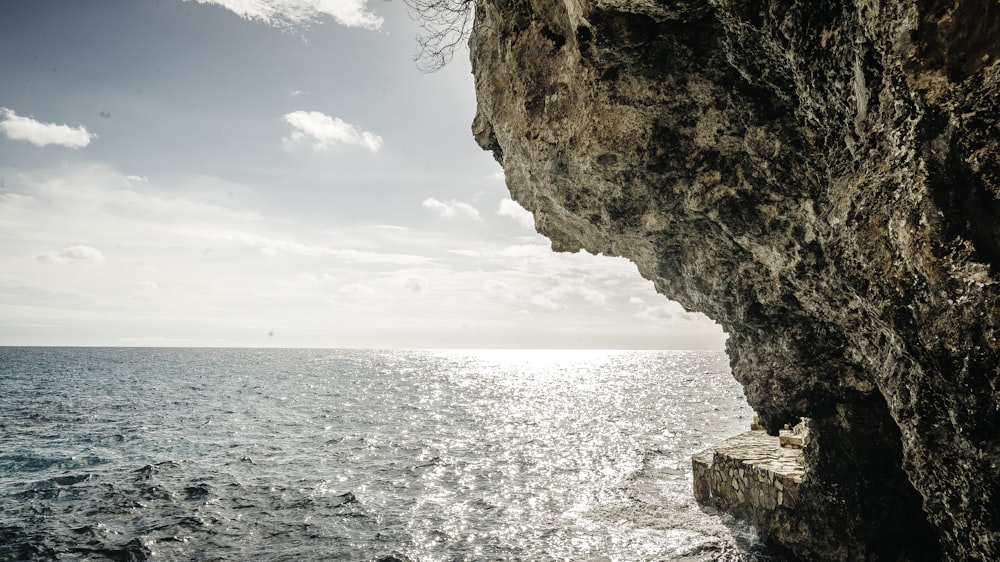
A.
x: 822, y: 179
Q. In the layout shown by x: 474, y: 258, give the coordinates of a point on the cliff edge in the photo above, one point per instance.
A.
x: 821, y: 178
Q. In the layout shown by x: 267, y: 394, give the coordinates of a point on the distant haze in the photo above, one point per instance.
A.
x: 274, y: 173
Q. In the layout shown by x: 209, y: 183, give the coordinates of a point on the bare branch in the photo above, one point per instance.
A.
x: 445, y: 25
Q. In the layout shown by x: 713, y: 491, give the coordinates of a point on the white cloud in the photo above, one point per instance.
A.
x: 71, y: 254
x: 510, y: 208
x: 453, y: 208
x: 17, y: 127
x: 544, y: 302
x: 283, y: 13
x: 146, y: 289
x: 668, y: 311
x: 371, y: 258
x: 277, y: 246
x: 592, y: 296
x: 149, y: 340
x: 567, y: 294
x: 530, y: 251
x: 416, y: 284
x: 497, y: 288
x: 357, y: 289
x: 325, y: 132
x: 135, y: 178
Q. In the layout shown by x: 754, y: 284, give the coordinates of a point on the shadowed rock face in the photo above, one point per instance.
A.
x: 822, y: 179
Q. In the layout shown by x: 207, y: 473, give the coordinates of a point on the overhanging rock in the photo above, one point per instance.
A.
x: 820, y: 177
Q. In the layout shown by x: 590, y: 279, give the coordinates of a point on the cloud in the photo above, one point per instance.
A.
x: 451, y: 208
x: 544, y: 302
x: 277, y: 246
x: 519, y: 251
x: 372, y: 258
x: 568, y: 294
x: 325, y: 132
x: 496, y: 288
x: 467, y: 253
x: 147, y: 340
x: 284, y: 13
x: 147, y: 289
x: 668, y: 311
x: 187, y: 263
x: 416, y: 284
x: 510, y: 208
x: 71, y: 254
x: 17, y: 127
x: 357, y: 290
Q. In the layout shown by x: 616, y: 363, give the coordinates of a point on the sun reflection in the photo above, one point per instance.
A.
x: 573, y: 450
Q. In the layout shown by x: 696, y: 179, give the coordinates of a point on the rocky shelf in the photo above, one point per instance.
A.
x: 749, y: 475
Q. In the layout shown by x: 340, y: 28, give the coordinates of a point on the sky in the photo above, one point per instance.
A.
x: 274, y: 173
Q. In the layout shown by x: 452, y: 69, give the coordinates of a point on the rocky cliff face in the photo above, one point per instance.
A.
x: 822, y: 178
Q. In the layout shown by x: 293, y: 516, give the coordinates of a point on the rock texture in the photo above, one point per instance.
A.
x: 822, y: 179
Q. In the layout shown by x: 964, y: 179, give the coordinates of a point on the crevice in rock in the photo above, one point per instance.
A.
x: 956, y: 38
x: 855, y: 458
x: 557, y: 40
x: 970, y: 211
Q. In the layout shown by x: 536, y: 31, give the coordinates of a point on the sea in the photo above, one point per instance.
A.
x: 363, y: 455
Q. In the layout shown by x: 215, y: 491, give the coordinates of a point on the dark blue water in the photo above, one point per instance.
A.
x: 239, y: 454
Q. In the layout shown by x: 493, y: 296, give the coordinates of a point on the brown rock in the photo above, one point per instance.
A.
x: 822, y: 179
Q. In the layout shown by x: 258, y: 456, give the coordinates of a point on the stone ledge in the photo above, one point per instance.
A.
x: 791, y: 440
x: 749, y: 475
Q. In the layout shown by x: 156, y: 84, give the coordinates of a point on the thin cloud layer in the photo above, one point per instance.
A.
x: 71, y: 254
x: 512, y: 209
x: 21, y: 128
x: 324, y: 132
x: 450, y: 209
x: 284, y: 13
x: 183, y: 260
x: 277, y: 246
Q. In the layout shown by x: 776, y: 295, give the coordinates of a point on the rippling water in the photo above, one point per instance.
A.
x: 239, y: 454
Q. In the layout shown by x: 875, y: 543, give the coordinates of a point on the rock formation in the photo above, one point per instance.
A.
x: 821, y: 178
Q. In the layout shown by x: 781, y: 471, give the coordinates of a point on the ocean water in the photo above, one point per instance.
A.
x: 250, y: 454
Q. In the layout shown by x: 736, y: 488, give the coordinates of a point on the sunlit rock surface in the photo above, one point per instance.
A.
x: 822, y: 179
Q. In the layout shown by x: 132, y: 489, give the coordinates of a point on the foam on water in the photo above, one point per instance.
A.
x: 195, y: 454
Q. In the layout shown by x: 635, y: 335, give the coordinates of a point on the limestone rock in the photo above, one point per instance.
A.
x: 822, y: 179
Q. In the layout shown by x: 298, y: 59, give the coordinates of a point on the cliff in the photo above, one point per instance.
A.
x: 822, y: 179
